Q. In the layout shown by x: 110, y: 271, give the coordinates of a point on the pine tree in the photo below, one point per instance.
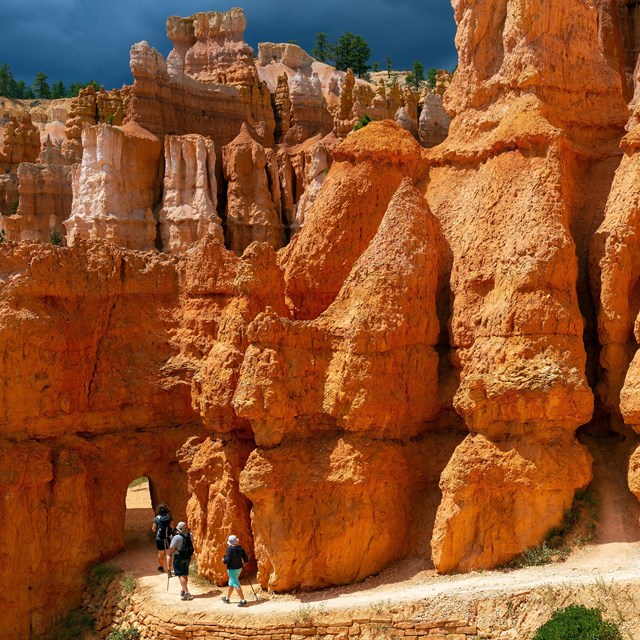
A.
x: 21, y: 89
x: 6, y: 78
x: 74, y: 89
x: 352, y: 52
x: 431, y: 77
x: 41, y: 86
x: 416, y: 77
x: 58, y: 90
x: 323, y: 50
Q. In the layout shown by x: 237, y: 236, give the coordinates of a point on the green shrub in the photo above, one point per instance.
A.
x: 128, y: 583
x: 124, y: 633
x: 138, y: 481
x: 100, y: 577
x: 578, y: 527
x: 3, y: 236
x: 362, y: 122
x: 13, y: 209
x: 577, y: 623
x: 74, y: 626
x: 55, y: 238
x: 537, y: 556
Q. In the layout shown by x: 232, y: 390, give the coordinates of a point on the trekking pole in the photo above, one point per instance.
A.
x: 167, y: 562
x: 246, y: 573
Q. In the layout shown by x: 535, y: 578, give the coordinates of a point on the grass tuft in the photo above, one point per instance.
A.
x: 577, y: 529
x: 74, y: 626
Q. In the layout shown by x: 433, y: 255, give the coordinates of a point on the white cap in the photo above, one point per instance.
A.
x: 182, y: 527
x: 232, y: 539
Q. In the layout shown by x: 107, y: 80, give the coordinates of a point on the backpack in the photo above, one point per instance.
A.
x: 187, y: 550
x: 164, y: 528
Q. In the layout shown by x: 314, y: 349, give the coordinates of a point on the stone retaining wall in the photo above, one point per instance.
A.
x: 153, y: 628
x: 113, y: 610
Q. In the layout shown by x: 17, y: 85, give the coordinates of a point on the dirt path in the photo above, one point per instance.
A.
x: 614, y: 559
x: 619, y: 509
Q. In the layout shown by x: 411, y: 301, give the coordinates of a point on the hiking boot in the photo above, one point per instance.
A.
x: 242, y: 603
x: 187, y: 596
x: 182, y: 593
x: 225, y: 599
x: 160, y: 569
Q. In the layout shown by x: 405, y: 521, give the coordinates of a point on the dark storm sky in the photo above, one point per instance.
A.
x: 82, y: 40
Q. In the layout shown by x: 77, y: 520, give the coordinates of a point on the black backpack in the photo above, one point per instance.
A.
x: 164, y: 528
x: 187, y: 550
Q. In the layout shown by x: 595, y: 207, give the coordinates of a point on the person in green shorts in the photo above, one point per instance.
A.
x: 235, y: 558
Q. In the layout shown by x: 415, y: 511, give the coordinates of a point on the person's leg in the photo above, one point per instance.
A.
x: 161, y: 559
x: 233, y: 583
x: 239, y: 592
x: 185, y: 587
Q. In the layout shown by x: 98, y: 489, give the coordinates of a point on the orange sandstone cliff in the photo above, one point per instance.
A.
x: 316, y: 338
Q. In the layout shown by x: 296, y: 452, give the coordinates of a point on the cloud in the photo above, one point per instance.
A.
x: 79, y: 40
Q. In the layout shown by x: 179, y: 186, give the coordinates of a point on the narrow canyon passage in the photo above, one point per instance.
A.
x: 139, y: 515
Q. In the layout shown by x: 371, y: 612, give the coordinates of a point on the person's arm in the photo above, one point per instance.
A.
x: 154, y: 526
x: 172, y: 547
x: 245, y: 557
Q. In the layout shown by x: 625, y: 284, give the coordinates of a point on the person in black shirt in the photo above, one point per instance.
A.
x: 162, y: 528
x: 235, y: 558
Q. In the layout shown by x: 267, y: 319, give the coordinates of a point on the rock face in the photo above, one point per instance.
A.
x: 306, y: 169
x: 417, y: 358
x: 407, y: 122
x: 92, y: 107
x: 434, y: 122
x: 615, y: 272
x: 252, y: 197
x: 516, y: 327
x: 44, y: 203
x: 8, y: 194
x: 20, y: 142
x: 217, y: 50
x: 115, y: 187
x: 343, y: 525
x: 374, y: 163
x: 209, y: 84
x: 190, y: 195
x: 382, y: 321
x: 120, y: 337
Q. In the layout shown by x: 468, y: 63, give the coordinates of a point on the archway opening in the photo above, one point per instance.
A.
x: 139, y: 514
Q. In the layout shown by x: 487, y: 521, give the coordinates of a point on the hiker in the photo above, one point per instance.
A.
x: 235, y: 559
x: 181, y: 550
x: 162, y: 528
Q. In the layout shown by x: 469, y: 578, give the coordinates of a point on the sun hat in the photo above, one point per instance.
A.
x: 182, y: 527
x: 232, y: 539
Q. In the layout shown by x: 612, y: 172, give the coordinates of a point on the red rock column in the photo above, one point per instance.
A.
x: 252, y: 213
x: 505, y: 186
x: 334, y: 404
